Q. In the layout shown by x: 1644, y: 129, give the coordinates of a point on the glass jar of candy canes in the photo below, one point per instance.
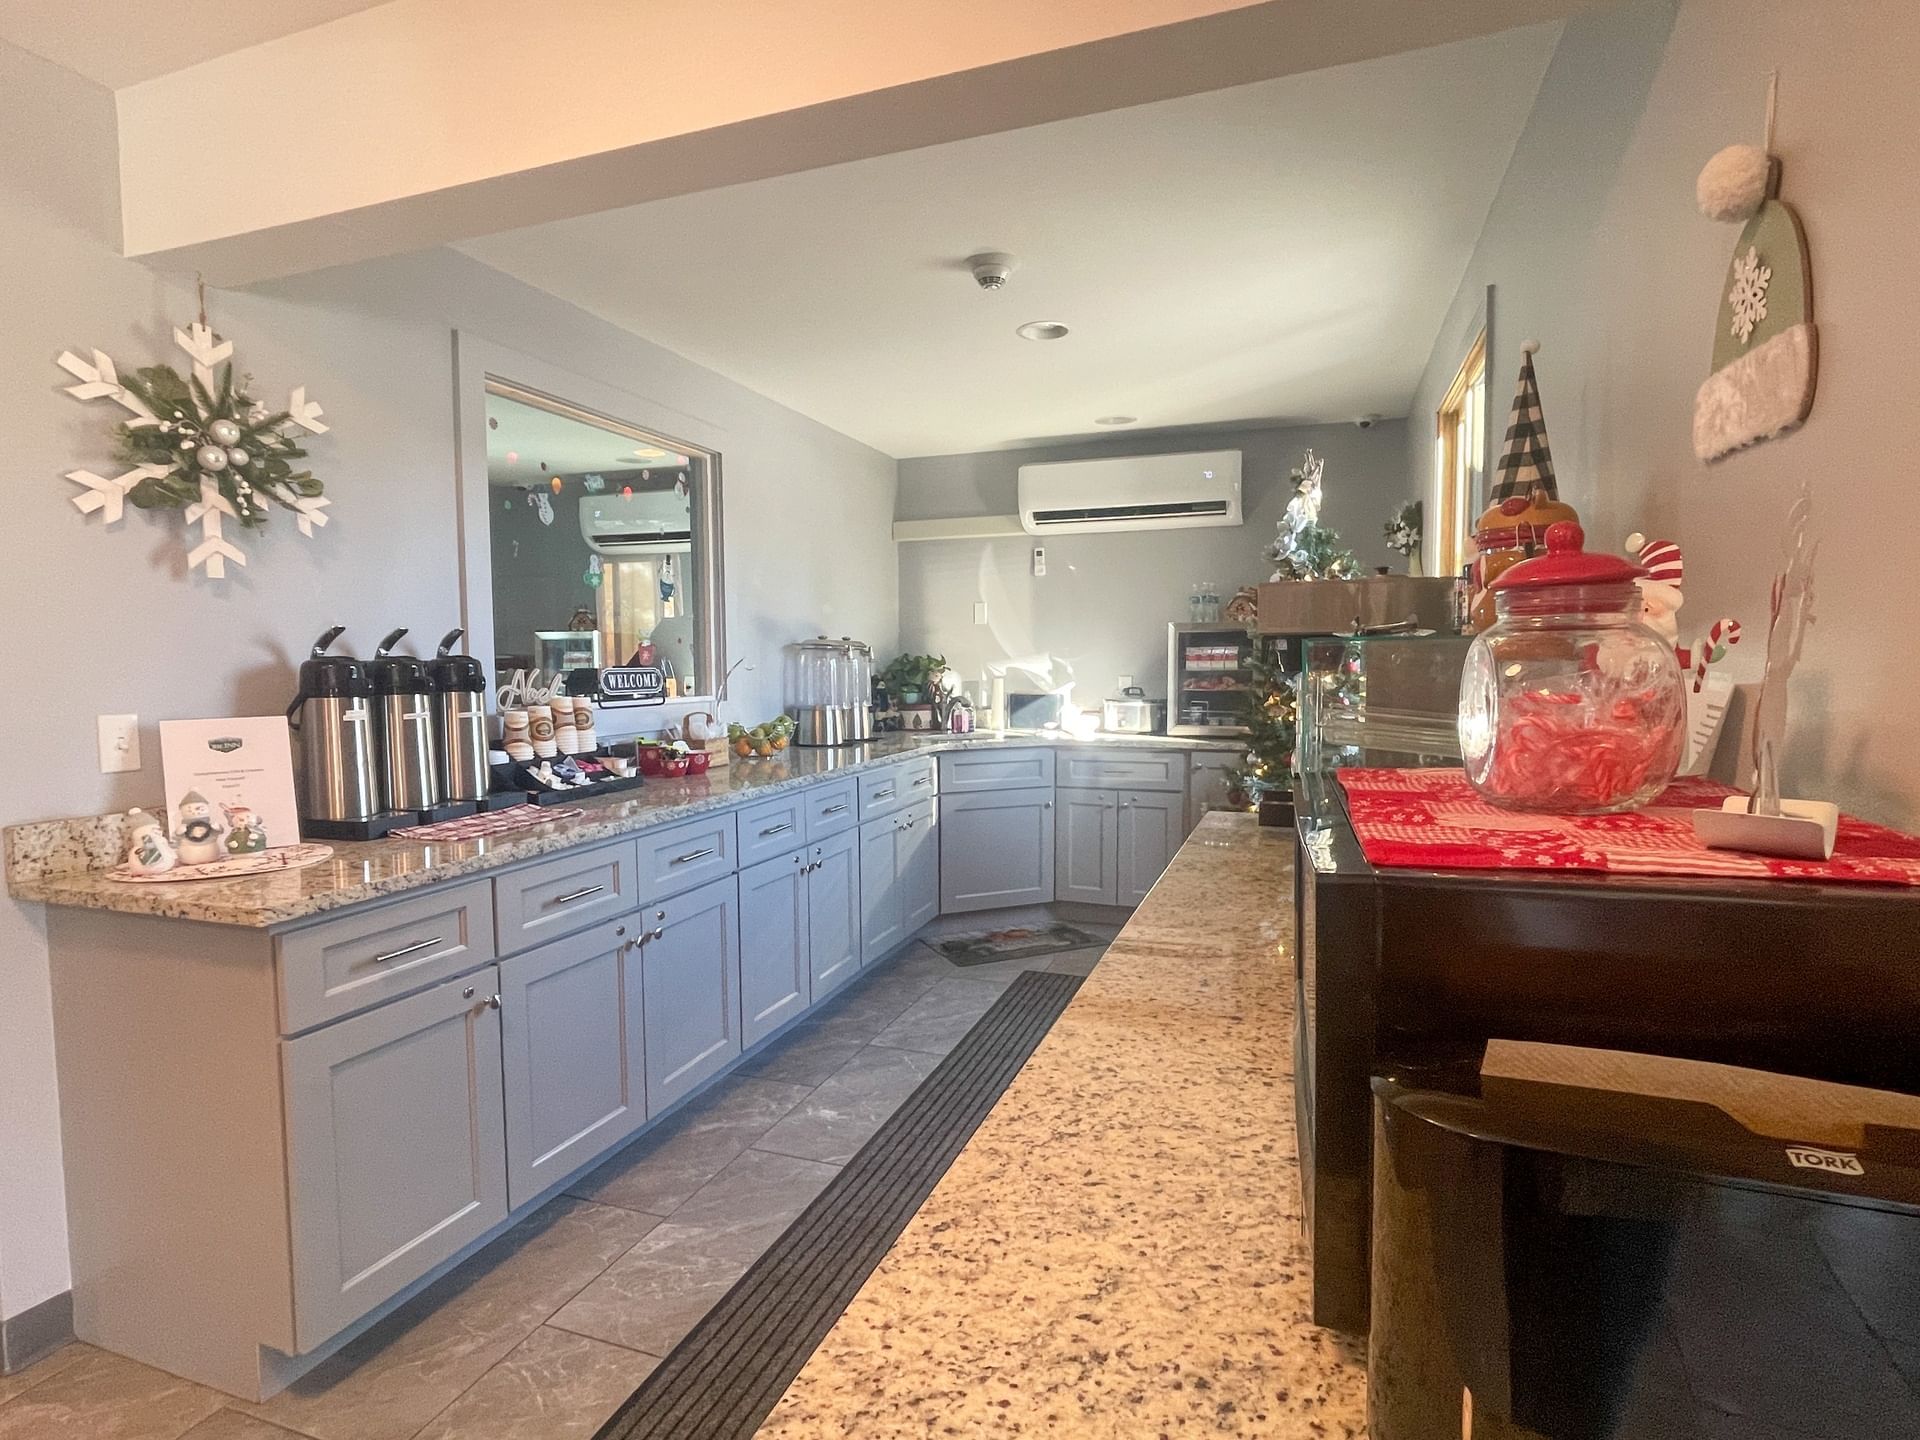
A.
x: 1568, y: 703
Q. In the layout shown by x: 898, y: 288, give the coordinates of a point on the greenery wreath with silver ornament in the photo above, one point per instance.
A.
x: 201, y: 444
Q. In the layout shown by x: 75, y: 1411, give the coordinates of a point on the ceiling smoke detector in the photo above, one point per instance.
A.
x: 990, y: 269
x: 1041, y: 330
x: 1115, y: 419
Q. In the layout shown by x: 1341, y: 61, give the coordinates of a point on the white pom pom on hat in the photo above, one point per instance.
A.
x: 1734, y: 183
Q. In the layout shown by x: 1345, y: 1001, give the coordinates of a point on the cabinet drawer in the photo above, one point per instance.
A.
x: 772, y: 827
x: 976, y: 770
x: 333, y: 969
x: 831, y: 809
x: 682, y: 856
x: 897, y: 786
x: 564, y: 894
x: 1125, y: 769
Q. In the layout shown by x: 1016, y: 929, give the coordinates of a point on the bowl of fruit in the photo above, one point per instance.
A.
x: 761, y: 741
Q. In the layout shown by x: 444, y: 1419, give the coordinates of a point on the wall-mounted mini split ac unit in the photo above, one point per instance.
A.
x: 1133, y: 492
x: 648, y: 522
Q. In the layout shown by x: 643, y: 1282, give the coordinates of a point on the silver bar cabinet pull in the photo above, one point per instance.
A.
x: 406, y: 950
x: 568, y: 899
x: 693, y: 855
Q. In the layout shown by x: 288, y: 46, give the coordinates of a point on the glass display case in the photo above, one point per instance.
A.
x: 1379, y: 700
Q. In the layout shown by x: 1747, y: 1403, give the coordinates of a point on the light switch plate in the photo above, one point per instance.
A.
x: 119, y: 743
x: 979, y: 612
x: 1125, y: 682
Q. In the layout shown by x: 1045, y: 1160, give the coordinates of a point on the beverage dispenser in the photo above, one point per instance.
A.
x: 332, y: 717
x: 408, y: 747
x: 829, y: 689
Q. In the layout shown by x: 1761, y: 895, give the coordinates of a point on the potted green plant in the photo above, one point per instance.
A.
x: 910, y: 678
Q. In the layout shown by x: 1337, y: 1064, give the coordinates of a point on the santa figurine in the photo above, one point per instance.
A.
x: 1660, y: 597
x: 245, y: 834
x: 199, y: 839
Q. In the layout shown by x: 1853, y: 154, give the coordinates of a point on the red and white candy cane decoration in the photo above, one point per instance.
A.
x: 1722, y: 634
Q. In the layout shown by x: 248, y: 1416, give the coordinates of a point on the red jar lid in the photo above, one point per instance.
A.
x: 1566, y: 563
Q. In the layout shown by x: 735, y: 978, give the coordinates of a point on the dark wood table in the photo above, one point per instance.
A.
x: 1807, y: 979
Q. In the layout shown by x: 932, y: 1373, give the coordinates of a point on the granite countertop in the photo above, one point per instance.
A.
x: 62, y: 862
x: 1118, y: 1250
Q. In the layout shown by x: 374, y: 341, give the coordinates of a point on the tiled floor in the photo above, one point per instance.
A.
x: 549, y: 1328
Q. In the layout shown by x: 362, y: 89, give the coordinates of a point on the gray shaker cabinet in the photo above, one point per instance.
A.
x: 996, y: 849
x: 690, y: 960
x: 833, y: 912
x: 574, y: 1054
x: 1086, y: 845
x: 396, y: 1157
x: 883, y: 919
x: 776, y: 980
x: 899, y: 877
x: 1152, y: 825
x: 919, y: 866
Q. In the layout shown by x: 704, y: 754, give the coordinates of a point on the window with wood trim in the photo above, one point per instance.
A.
x: 1459, y: 459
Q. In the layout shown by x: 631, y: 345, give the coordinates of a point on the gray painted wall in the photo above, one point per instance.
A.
x: 1101, y: 611
x: 1594, y: 247
x: 105, y: 619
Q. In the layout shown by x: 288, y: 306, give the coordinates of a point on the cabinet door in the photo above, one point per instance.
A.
x: 690, y: 967
x: 1152, y: 825
x: 918, y: 867
x: 996, y: 849
x: 833, y: 912
x: 396, y: 1148
x: 1086, y: 842
x: 1209, y: 779
x: 574, y: 1049
x: 883, y: 923
x: 776, y: 982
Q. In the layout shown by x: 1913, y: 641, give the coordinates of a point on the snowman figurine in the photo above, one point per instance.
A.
x: 150, y: 852
x: 199, y: 842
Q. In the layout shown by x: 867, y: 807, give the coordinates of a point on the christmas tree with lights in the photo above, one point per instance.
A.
x: 1270, y: 706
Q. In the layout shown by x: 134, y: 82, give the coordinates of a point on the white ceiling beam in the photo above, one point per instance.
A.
x: 428, y: 121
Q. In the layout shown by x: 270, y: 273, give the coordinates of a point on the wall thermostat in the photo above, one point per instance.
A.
x: 1039, y: 560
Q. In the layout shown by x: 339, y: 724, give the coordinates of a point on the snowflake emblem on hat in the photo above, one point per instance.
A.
x: 1748, y: 297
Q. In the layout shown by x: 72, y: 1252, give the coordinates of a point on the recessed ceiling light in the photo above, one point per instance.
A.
x: 1116, y: 419
x: 1041, y: 330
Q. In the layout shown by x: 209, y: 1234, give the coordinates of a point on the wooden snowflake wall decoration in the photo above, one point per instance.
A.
x: 201, y: 445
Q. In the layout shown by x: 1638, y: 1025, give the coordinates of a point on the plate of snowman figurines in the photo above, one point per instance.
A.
x: 152, y: 858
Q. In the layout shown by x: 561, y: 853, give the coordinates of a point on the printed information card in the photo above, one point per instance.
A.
x: 229, y: 786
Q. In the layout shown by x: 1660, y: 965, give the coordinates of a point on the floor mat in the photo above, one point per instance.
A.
x: 1020, y: 942
x: 726, y: 1376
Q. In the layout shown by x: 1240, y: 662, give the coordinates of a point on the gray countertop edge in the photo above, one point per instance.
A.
x: 392, y: 867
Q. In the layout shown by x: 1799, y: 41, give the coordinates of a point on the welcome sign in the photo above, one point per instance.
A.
x: 633, y: 685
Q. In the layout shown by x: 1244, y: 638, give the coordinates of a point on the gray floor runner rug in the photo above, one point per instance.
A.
x: 726, y: 1376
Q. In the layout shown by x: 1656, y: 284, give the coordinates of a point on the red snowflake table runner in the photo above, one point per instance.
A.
x: 1432, y: 820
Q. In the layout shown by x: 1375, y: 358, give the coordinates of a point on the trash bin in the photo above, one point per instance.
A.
x: 1577, y: 1244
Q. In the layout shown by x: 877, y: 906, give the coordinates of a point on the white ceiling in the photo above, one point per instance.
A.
x: 122, y: 42
x: 1281, y: 251
x: 527, y: 446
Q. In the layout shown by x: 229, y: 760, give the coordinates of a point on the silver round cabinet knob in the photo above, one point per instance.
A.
x: 619, y: 929
x: 493, y: 1002
x: 467, y: 994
